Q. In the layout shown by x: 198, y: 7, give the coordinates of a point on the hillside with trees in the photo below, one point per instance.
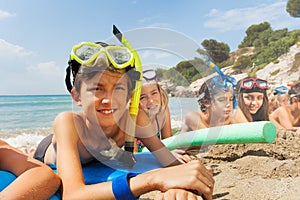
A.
x: 261, y: 46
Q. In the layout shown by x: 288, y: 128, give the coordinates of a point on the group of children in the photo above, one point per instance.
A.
x: 101, y: 79
x: 246, y: 101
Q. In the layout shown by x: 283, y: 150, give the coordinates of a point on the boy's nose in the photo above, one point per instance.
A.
x: 105, y: 101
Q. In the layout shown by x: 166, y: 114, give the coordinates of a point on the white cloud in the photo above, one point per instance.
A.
x: 5, y: 14
x: 11, y: 50
x: 23, y: 76
x: 43, y: 78
x: 47, y: 69
x: 242, y: 18
x: 14, y: 57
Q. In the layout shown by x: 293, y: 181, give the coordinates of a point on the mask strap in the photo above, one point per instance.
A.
x: 68, y: 78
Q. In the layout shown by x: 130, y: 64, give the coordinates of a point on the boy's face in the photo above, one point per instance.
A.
x: 223, y: 104
x: 104, y: 98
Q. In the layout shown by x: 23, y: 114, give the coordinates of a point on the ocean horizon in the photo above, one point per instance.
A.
x: 27, y: 119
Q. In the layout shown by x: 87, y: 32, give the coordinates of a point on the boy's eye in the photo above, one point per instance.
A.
x: 221, y: 99
x: 142, y: 98
x: 96, y: 89
x: 119, y: 88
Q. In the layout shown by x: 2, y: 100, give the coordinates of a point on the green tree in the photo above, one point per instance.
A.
x: 263, y: 38
x: 293, y: 8
x: 243, y: 62
x: 273, y: 51
x: 253, y: 32
x: 218, y: 51
x: 278, y: 34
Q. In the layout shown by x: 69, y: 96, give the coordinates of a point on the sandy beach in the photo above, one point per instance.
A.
x: 255, y: 171
x: 244, y: 171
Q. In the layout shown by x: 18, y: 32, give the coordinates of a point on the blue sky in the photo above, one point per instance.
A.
x: 36, y: 36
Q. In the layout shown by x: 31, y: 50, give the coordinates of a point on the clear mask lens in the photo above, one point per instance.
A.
x: 85, y: 52
x: 225, y: 83
x: 248, y: 84
x: 262, y: 83
x: 149, y: 75
x: 120, y: 56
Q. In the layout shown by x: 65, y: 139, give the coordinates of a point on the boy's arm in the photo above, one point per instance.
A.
x: 166, y: 130
x: 281, y: 118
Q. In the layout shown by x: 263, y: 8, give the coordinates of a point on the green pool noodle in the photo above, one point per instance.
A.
x: 250, y: 132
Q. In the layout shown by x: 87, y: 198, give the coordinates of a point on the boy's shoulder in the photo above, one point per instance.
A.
x: 68, y: 116
x: 281, y: 110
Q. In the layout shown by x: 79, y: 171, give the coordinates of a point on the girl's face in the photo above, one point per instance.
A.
x: 150, y: 99
x: 253, y: 101
x: 104, y: 98
x: 223, y: 104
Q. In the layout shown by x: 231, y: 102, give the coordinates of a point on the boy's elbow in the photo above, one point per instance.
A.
x: 51, y: 179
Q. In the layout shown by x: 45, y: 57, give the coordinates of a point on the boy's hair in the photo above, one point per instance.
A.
x: 208, y: 90
x: 295, y: 89
x: 295, y: 92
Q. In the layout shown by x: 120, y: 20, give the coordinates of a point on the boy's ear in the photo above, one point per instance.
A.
x: 294, y: 100
x: 76, y: 97
x: 207, y: 105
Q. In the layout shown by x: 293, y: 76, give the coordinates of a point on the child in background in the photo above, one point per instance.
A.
x: 282, y: 95
x: 154, y: 117
x: 35, y: 180
x: 154, y: 114
x: 281, y: 98
x: 288, y: 117
x: 253, y: 99
x: 217, y: 103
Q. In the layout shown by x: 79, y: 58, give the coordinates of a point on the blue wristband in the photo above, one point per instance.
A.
x: 121, y: 189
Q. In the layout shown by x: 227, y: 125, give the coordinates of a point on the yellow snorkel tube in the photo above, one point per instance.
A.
x: 135, y: 99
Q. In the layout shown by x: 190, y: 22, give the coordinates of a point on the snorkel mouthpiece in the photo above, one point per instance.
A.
x: 125, y: 158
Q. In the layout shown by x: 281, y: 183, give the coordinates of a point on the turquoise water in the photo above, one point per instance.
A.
x: 36, y: 111
x: 25, y: 120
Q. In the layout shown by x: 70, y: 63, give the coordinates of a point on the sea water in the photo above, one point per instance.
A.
x: 26, y: 120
